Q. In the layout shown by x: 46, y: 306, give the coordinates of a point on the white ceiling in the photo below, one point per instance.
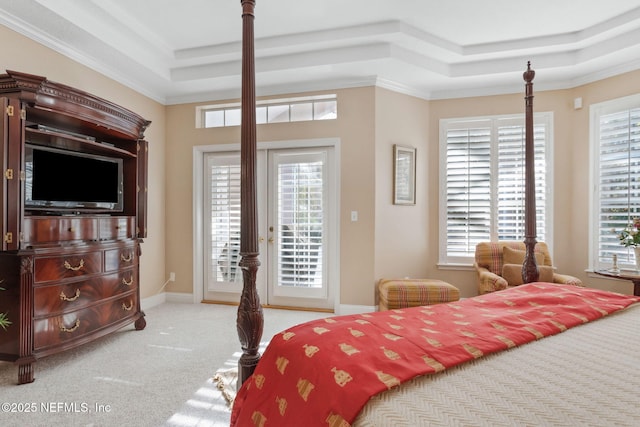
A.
x: 178, y: 51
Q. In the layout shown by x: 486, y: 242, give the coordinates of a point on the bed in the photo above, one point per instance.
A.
x: 467, y: 359
x: 538, y: 354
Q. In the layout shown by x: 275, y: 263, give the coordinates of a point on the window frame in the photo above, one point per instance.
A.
x: 449, y: 261
x: 263, y: 110
x: 596, y: 111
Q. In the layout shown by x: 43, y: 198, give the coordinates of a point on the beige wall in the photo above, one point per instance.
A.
x: 554, y: 101
x: 402, y: 241
x: 22, y: 54
x: 571, y: 170
x: 387, y: 240
x: 576, y: 227
x: 354, y: 128
x: 401, y: 231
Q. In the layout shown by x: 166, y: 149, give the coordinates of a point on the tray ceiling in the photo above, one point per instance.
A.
x: 190, y: 50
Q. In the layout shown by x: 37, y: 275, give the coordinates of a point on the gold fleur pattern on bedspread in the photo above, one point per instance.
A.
x: 325, y: 371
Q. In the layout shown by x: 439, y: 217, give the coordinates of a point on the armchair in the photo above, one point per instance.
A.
x: 499, y: 265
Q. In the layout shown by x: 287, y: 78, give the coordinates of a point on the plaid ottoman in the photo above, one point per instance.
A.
x: 402, y: 293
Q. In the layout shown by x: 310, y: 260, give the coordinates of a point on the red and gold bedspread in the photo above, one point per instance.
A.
x: 323, y: 372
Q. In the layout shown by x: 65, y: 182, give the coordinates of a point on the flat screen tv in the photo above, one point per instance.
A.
x: 67, y: 181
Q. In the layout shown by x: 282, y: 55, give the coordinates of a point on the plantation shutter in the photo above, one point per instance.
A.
x: 224, y: 213
x: 511, y: 185
x: 300, y: 199
x: 618, y: 182
x: 468, y: 165
x: 484, y: 177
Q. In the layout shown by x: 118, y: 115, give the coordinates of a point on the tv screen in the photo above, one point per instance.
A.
x: 61, y: 180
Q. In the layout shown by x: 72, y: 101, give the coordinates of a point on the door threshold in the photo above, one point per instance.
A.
x: 276, y: 307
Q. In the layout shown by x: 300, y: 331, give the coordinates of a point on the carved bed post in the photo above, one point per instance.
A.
x: 250, y: 319
x: 529, y: 267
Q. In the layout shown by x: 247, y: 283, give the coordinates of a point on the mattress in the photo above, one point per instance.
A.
x: 586, y: 376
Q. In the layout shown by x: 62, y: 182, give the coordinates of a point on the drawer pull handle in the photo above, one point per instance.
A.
x: 70, y: 267
x: 69, y: 330
x: 127, y: 258
x: 125, y: 308
x: 129, y: 283
x: 63, y: 297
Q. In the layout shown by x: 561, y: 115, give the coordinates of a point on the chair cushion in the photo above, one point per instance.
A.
x: 515, y: 256
x: 489, y: 255
x: 512, y: 273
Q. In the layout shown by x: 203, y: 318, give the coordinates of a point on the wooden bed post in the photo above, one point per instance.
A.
x: 250, y: 320
x: 529, y: 267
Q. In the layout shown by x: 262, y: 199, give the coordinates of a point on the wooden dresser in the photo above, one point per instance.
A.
x: 68, y: 274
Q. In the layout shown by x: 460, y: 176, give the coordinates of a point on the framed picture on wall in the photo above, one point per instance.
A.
x: 404, y: 175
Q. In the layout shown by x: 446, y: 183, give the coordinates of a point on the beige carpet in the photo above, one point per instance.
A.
x: 162, y: 376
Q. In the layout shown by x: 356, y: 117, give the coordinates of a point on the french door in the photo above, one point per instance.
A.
x: 296, y: 223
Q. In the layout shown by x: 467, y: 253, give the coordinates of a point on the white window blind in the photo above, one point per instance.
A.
x: 468, y: 183
x: 511, y: 185
x: 483, y: 164
x: 224, y: 212
x: 618, y: 182
x: 300, y: 193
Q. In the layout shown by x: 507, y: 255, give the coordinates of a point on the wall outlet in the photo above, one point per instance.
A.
x: 172, y: 277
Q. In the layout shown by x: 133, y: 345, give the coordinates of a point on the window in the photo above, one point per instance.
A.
x: 615, y: 148
x: 320, y: 107
x: 482, y: 182
x: 300, y: 197
x: 223, y: 189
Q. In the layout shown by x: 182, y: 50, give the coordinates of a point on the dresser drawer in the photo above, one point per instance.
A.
x: 118, y: 258
x: 57, y: 299
x: 117, y: 228
x: 47, y: 230
x: 126, y: 280
x: 63, y: 328
x: 72, y: 265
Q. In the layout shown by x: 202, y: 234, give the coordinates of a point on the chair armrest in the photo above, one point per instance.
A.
x: 567, y: 280
x: 488, y: 281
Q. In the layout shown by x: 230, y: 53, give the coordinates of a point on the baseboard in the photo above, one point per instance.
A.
x: 152, y: 301
x: 355, y: 309
x: 177, y: 297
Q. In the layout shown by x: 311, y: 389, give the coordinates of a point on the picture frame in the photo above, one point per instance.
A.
x: 404, y: 175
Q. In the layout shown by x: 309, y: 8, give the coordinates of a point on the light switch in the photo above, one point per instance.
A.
x: 354, y: 216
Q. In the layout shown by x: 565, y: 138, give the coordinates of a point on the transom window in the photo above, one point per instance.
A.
x: 482, y: 182
x: 320, y: 107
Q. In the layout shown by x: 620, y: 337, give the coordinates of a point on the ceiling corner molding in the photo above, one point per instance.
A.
x: 401, y: 88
